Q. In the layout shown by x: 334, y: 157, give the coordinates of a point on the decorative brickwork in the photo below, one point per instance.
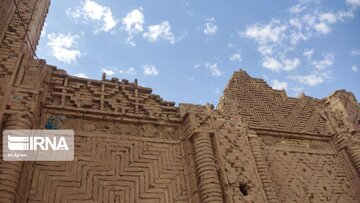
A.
x: 110, y: 168
x: 258, y: 145
x: 263, y: 108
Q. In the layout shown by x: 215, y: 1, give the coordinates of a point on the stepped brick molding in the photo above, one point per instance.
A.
x: 257, y: 145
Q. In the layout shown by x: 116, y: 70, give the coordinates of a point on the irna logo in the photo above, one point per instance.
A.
x: 37, y: 143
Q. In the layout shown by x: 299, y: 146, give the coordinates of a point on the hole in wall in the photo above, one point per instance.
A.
x: 244, y: 189
x: 11, y: 29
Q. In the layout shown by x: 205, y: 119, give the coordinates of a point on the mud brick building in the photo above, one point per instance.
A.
x: 257, y: 145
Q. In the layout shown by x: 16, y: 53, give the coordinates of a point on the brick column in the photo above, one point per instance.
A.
x: 209, y: 183
x: 268, y: 184
x: 354, y: 152
x: 10, y: 171
x: 343, y: 140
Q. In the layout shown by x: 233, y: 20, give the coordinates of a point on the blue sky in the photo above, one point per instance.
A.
x: 186, y: 51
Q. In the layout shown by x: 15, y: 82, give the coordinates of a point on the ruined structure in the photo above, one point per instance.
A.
x: 258, y: 145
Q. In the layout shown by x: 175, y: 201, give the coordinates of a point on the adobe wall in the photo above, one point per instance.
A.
x: 258, y: 145
x: 296, y: 150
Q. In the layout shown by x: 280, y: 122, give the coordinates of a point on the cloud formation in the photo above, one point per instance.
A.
x: 276, y: 84
x: 94, y: 12
x: 150, y: 70
x: 327, y: 61
x: 214, y: 69
x: 286, y: 64
x: 354, y: 68
x: 279, y: 37
x: 355, y: 52
x: 81, y: 75
x: 312, y: 79
x: 308, y: 53
x: 108, y: 71
x: 133, y: 24
x: 210, y: 28
x: 160, y: 31
x: 129, y: 71
x: 63, y: 47
x: 235, y: 57
x: 355, y: 3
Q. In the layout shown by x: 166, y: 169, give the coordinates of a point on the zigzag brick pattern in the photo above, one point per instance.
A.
x: 258, y: 145
x: 261, y: 107
x: 112, y: 169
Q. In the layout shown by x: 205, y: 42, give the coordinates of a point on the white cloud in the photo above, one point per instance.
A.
x: 162, y: 30
x: 296, y: 23
x: 272, y: 32
x: 81, y: 75
x: 279, y: 85
x: 354, y: 68
x: 280, y: 36
x: 290, y: 64
x: 285, y: 64
x: 308, y: 19
x: 345, y: 14
x: 108, y: 71
x: 308, y: 53
x: 355, y: 52
x: 214, y: 69
x: 328, y: 17
x: 63, y: 47
x: 313, y: 79
x: 150, y: 70
x: 272, y: 64
x: 129, y: 71
x: 92, y: 11
x: 297, y: 8
x: 328, y: 60
x: 235, y: 57
x: 210, y: 28
x: 325, y: 19
x: 322, y: 28
x: 353, y: 2
x: 277, y: 39
x: 133, y: 24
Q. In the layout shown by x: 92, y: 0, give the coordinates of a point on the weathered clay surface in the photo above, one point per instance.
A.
x: 258, y: 145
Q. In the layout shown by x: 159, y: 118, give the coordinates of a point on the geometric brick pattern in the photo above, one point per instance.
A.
x: 110, y: 97
x: 309, y: 177
x: 114, y: 169
x: 259, y: 145
x: 238, y: 161
x: 262, y: 107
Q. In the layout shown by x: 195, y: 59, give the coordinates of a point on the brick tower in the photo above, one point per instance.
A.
x: 20, y: 80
